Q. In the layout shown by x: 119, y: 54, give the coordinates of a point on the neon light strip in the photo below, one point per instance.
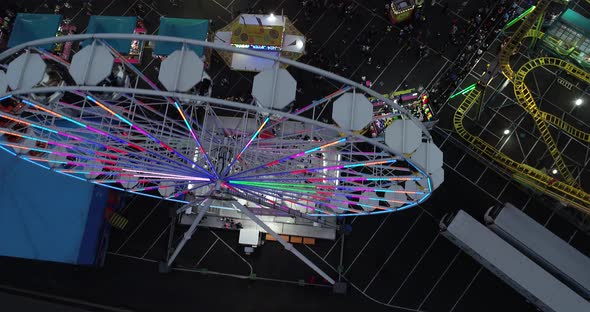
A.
x: 138, y: 73
x: 128, y: 191
x: 298, y: 203
x: 151, y: 188
x: 278, y: 204
x: 161, y: 115
x: 294, y: 196
x: 5, y: 97
x: 330, y: 194
x: 253, y: 137
x: 34, y: 163
x: 247, y: 145
x: 464, y: 91
x: 518, y: 18
x: 151, y: 137
x: 26, y: 148
x: 62, y: 145
x: 329, y: 168
x: 54, y: 113
x: 82, y: 156
x: 429, y: 183
x: 190, y: 129
x: 183, y: 168
x: 278, y: 161
x: 111, y: 173
x: 109, y: 186
x: 329, y: 179
x: 291, y: 186
x: 188, y: 189
x: 170, y: 175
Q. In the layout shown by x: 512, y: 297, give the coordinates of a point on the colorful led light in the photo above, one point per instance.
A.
x: 278, y: 161
x: 167, y: 175
x: 148, y: 135
x: 190, y: 129
x: 518, y: 18
x: 253, y: 137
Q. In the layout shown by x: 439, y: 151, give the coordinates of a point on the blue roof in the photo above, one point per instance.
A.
x: 184, y: 28
x: 28, y: 27
x: 112, y: 25
x: 576, y: 20
x: 47, y: 216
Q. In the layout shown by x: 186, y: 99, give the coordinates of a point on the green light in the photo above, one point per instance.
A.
x: 302, y: 188
x: 521, y: 16
x: 464, y: 91
x: 271, y: 184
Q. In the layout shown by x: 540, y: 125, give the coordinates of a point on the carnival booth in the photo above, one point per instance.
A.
x: 401, y: 10
x: 270, y: 34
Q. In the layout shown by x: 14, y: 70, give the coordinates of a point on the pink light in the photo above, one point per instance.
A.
x: 164, y: 175
x: 253, y: 137
x: 70, y: 136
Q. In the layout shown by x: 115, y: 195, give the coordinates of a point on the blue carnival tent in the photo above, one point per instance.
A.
x: 48, y: 216
x: 28, y: 27
x: 115, y: 25
x: 184, y: 28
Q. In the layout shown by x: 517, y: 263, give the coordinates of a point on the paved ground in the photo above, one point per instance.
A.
x: 396, y: 260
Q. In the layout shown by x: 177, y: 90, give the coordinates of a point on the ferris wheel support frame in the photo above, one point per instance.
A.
x: 288, y: 246
x: 204, y: 206
x: 172, y: 95
x: 226, y: 103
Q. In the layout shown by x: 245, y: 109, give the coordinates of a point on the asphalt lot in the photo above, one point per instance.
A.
x: 392, y: 262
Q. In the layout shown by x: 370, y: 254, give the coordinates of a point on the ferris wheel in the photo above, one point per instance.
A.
x: 101, y: 120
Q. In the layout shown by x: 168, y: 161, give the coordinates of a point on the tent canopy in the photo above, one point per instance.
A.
x: 28, y: 27
x: 577, y: 21
x: 113, y: 25
x: 196, y: 29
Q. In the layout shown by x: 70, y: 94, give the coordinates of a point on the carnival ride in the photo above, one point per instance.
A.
x: 566, y: 189
x: 163, y: 141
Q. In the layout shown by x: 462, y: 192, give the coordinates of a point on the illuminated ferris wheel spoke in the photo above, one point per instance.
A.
x: 154, y: 86
x: 199, y: 145
x: 189, y: 189
x: 311, y: 188
x: 83, y: 126
x: 254, y: 136
x: 287, y: 158
x: 295, y: 200
x: 272, y: 202
x: 83, y: 152
x: 325, y: 168
x: 315, y: 199
x: 148, y: 135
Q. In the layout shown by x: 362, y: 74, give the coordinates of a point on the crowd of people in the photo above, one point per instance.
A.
x: 482, y: 28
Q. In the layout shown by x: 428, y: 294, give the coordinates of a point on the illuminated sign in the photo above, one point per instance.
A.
x: 257, y: 47
x: 257, y: 36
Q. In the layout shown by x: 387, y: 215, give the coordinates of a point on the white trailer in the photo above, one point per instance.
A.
x: 517, y: 270
x: 542, y: 246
